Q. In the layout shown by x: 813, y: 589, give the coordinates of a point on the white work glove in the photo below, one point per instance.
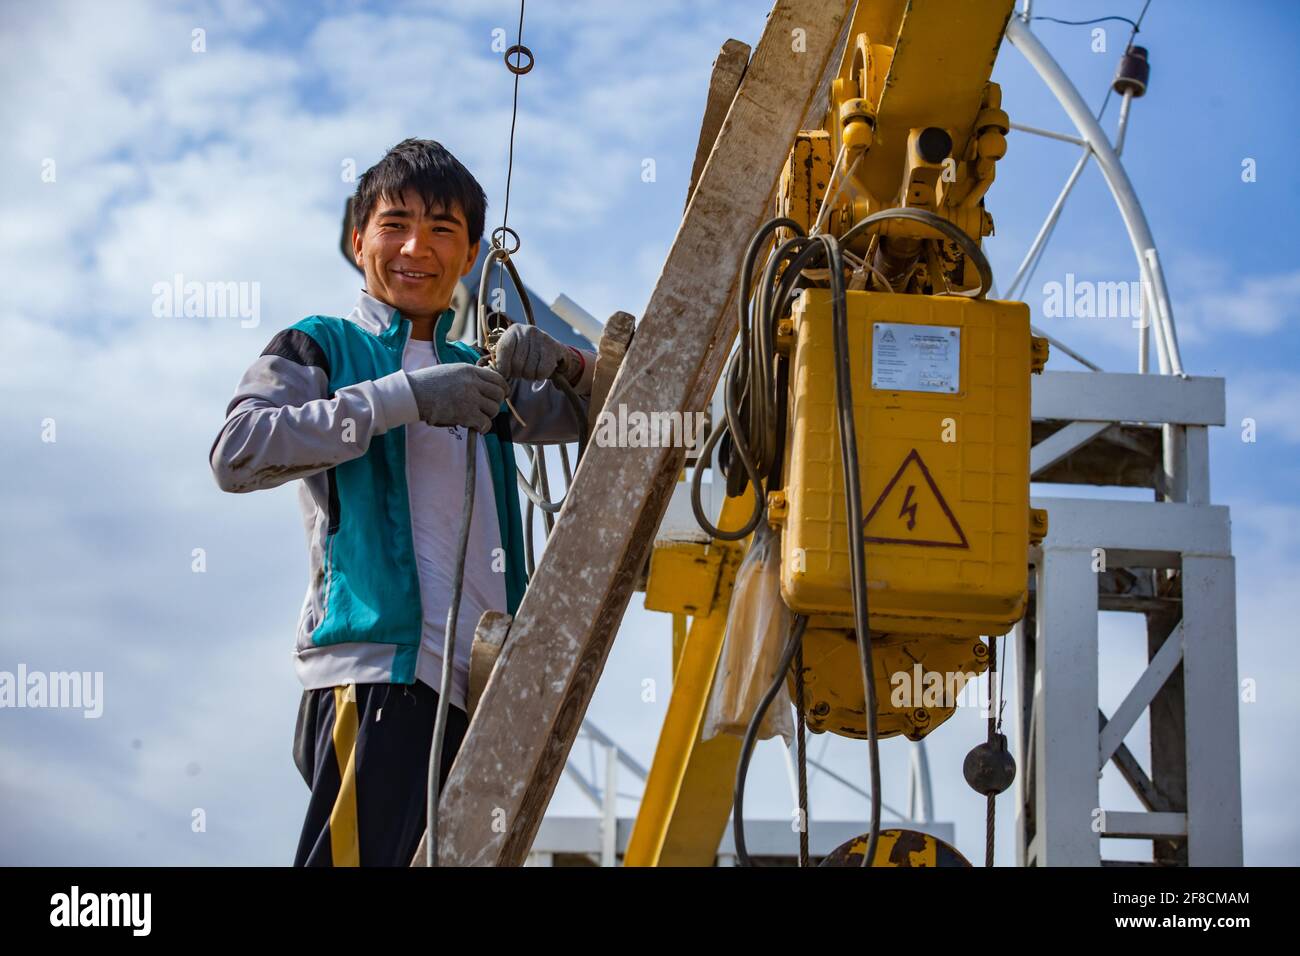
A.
x: 526, y: 352
x: 458, y: 394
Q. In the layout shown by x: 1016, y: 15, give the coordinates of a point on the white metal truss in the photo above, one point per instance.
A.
x: 1170, y: 560
x: 1156, y: 294
x: 602, y: 839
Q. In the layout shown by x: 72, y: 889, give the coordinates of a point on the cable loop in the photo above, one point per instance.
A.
x: 499, y: 234
x: 515, y: 68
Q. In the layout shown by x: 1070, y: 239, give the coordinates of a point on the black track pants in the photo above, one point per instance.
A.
x: 364, y: 751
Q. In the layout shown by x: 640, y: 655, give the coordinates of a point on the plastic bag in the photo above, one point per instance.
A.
x: 758, y: 629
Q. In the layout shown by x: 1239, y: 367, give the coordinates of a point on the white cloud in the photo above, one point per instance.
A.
x: 1272, y: 399
x: 1216, y: 301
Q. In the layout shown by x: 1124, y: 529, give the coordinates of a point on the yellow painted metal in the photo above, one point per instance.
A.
x: 920, y: 681
x: 909, y: 65
x: 683, y: 577
x: 940, y: 54
x: 925, y: 853
x: 945, y: 476
x: 703, y: 805
x: 898, y: 848
x: 805, y: 177
x: 679, y: 640
x: 878, y: 19
x: 687, y: 796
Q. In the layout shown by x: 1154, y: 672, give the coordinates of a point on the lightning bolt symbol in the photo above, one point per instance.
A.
x: 909, y: 508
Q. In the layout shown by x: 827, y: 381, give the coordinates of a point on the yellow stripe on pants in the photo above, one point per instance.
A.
x: 345, y: 849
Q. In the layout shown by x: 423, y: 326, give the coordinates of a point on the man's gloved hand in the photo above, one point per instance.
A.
x: 526, y: 352
x: 458, y: 394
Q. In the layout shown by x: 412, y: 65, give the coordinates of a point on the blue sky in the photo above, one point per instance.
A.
x: 226, y: 165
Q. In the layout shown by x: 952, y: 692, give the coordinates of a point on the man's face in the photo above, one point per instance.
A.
x: 412, y: 258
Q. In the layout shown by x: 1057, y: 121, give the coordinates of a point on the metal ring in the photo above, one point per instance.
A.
x: 497, y: 243
x: 515, y: 69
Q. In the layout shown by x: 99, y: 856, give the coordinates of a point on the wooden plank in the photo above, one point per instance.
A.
x: 814, y: 117
x: 728, y: 69
x: 519, y: 738
x: 489, y: 638
x: 614, y: 343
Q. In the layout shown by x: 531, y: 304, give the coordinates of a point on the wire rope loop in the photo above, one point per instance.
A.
x: 945, y: 228
x: 516, y: 51
x: 499, y: 234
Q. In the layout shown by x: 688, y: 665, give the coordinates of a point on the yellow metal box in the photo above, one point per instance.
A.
x: 683, y: 578
x: 941, y: 392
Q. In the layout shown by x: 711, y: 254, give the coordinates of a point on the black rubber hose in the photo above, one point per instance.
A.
x: 809, y: 254
x: 740, y: 393
x: 853, y: 506
x: 742, y: 452
x: 751, y: 735
x: 936, y: 222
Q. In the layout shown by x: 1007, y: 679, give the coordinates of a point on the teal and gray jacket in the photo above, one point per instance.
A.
x: 328, y: 402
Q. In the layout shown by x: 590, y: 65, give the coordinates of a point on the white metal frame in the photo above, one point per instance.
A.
x: 1179, y: 544
x: 1195, y: 797
x: 604, y: 838
x: 583, y: 836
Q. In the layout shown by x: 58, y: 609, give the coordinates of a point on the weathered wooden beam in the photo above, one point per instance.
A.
x: 728, y: 69
x: 813, y: 118
x: 614, y: 343
x: 489, y: 638
x: 521, y: 733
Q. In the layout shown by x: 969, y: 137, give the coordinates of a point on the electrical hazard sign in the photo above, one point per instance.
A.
x: 912, y: 510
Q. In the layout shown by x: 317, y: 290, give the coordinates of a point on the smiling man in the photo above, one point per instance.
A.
x: 370, y: 411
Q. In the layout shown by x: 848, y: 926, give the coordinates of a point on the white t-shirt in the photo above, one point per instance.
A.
x: 435, y: 471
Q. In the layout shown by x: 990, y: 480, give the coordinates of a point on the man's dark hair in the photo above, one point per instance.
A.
x: 432, y: 172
